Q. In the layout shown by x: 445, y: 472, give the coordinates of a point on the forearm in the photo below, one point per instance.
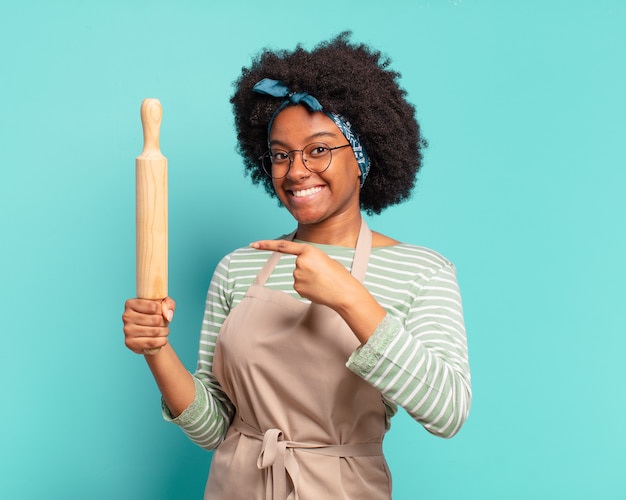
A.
x: 197, y: 403
x: 173, y: 379
x: 361, y: 312
x: 200, y: 409
x: 435, y: 391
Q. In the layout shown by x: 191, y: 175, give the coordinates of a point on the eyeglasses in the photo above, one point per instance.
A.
x: 316, y: 158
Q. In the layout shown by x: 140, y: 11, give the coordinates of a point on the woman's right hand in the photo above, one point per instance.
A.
x: 146, y: 323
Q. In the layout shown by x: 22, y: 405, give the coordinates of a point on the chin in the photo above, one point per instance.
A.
x: 307, y: 218
x: 308, y: 221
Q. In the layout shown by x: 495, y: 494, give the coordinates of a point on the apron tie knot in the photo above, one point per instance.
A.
x: 279, y: 464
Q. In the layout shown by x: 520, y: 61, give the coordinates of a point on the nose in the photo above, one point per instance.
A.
x: 298, y: 169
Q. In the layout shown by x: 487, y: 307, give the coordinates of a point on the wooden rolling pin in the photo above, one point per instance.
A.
x: 151, y: 209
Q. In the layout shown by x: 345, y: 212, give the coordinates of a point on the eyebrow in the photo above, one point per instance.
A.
x: 316, y: 135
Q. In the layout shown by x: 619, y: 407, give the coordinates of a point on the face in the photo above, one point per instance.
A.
x: 313, y: 198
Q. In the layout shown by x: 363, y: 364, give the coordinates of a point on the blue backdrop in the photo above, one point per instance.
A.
x: 523, y: 104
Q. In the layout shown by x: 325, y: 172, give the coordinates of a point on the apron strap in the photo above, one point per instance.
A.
x: 362, y: 252
x: 276, y: 457
x: 269, y: 266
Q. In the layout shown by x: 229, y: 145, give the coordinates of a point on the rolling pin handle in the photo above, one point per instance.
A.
x: 151, y: 114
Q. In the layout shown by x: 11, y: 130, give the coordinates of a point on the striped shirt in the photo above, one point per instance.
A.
x: 417, y: 357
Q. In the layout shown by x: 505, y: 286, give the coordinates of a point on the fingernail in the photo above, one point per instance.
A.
x: 170, y: 315
x: 254, y: 244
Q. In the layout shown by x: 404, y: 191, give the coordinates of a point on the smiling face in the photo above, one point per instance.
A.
x: 315, y: 198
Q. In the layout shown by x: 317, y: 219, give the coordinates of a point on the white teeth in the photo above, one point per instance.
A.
x: 306, y: 192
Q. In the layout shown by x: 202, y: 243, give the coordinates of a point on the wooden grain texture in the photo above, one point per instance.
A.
x: 151, y: 209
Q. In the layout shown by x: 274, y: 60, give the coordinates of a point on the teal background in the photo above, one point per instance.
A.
x: 523, y: 104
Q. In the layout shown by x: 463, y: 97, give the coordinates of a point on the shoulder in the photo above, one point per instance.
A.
x: 426, y: 256
x: 410, y: 259
x: 380, y: 240
x: 244, y: 257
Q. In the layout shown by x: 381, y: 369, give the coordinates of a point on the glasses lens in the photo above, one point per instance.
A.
x: 266, y: 163
x: 317, y: 156
x: 275, y: 163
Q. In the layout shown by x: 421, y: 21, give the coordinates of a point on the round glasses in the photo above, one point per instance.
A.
x: 316, y: 158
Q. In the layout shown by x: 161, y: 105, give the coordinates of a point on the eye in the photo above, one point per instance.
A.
x: 279, y: 156
x: 318, y: 150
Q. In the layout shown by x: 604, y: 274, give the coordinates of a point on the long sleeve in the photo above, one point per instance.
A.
x: 417, y: 358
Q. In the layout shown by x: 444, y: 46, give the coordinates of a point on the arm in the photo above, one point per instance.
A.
x: 420, y: 362
x: 146, y: 326
x: 194, y: 402
x: 207, y: 419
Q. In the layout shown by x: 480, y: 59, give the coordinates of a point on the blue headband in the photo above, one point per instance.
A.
x: 277, y: 88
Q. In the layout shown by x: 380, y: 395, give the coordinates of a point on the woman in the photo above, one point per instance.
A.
x: 310, y: 342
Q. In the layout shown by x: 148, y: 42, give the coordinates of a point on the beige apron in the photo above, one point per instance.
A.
x: 306, y: 428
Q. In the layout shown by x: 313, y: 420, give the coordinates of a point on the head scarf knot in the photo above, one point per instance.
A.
x: 277, y: 88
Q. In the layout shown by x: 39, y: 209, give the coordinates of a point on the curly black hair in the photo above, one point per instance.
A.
x: 349, y: 79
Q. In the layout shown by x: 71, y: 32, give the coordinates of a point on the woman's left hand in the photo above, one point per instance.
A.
x: 317, y: 277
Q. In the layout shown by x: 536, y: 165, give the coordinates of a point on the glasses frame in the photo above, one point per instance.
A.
x: 266, y: 158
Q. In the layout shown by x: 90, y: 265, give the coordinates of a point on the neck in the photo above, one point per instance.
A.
x: 343, y: 232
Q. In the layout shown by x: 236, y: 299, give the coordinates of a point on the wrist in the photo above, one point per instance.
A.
x: 362, y: 313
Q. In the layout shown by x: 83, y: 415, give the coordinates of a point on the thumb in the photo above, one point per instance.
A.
x: 168, y: 306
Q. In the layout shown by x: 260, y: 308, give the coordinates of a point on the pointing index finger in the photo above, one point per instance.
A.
x: 283, y: 246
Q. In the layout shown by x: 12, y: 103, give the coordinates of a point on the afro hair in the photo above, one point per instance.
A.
x: 349, y: 79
